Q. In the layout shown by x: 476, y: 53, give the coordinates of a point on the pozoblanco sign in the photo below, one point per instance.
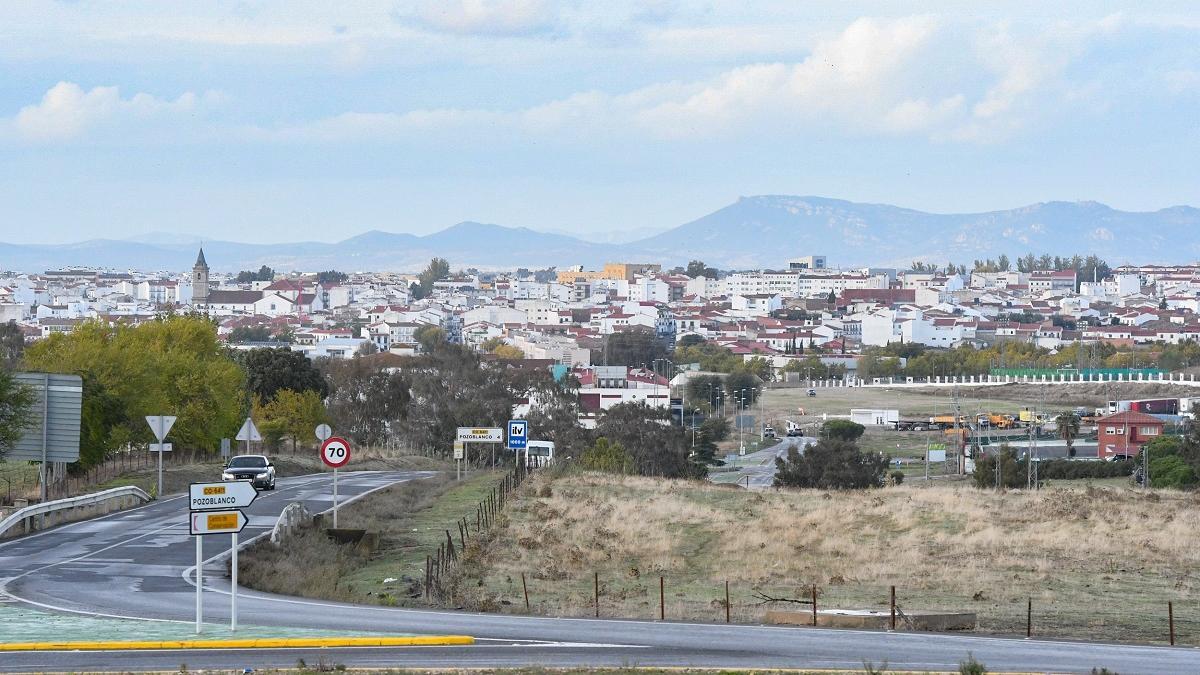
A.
x: 235, y: 494
x: 480, y: 435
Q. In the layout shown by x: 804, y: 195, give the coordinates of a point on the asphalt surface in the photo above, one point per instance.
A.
x: 759, y: 472
x: 137, y: 564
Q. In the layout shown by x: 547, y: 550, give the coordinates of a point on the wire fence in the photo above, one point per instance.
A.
x: 440, y: 564
x: 22, y: 480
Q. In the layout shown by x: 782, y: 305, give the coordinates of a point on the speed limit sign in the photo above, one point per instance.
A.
x: 335, y: 452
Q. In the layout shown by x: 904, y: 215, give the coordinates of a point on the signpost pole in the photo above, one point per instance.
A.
x: 158, y: 495
x: 199, y: 584
x: 335, y: 498
x: 233, y: 587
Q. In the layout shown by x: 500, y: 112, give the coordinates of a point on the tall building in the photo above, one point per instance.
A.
x: 200, y: 280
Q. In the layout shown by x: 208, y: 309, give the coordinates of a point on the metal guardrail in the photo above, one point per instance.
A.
x: 63, y: 508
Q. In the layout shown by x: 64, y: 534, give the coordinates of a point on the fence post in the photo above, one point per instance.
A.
x: 662, y: 600
x: 1029, y: 619
x: 1171, y: 620
x: 814, y: 604
x: 726, y: 601
x: 893, y: 624
x: 525, y: 590
x: 597, y: 587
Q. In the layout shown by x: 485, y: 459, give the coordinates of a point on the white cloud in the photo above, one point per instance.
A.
x: 67, y: 111
x: 484, y: 17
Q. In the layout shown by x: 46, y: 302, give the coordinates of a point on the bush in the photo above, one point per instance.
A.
x: 831, y: 464
x: 897, y: 477
x: 1065, y: 469
x: 605, y: 455
x: 1013, y: 472
x: 1171, y: 472
x: 844, y: 430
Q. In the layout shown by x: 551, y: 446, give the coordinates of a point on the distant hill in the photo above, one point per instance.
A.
x: 753, y: 232
x: 767, y: 230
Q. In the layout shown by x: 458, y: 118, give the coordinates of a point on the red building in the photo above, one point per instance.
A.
x: 1125, y: 433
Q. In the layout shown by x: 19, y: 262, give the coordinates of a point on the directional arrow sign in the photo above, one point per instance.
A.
x: 249, y: 432
x: 217, y: 522
x: 234, y: 494
x: 160, y: 425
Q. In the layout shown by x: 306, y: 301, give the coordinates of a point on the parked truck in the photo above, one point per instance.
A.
x: 1150, y: 406
x: 996, y: 420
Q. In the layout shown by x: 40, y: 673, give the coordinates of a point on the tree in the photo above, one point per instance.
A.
x: 365, y: 403
x: 509, y: 352
x: 264, y: 273
x: 243, y: 334
x: 607, y: 456
x: 831, y: 299
x: 742, y: 384
x: 842, y: 430
x: 715, y: 428
x: 429, y: 337
x: 16, y: 403
x: 657, y: 448
x: 636, y: 348
x: 294, y: 413
x: 831, y: 464
x: 332, y: 276
x: 1068, y: 430
x: 174, y: 366
x: 437, y: 270
x: 697, y: 268
x: 270, y: 369
x: 706, y: 389
x: 12, y: 344
x: 689, y: 340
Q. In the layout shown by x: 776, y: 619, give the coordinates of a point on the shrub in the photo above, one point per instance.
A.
x: 1065, y: 469
x: 1012, y: 471
x: 897, y: 477
x: 971, y: 667
x: 844, y: 430
x: 605, y: 455
x: 831, y: 464
x: 1171, y: 472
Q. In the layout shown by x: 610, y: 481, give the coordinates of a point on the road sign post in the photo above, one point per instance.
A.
x: 460, y: 451
x: 335, y: 452
x: 518, y: 438
x: 248, y: 433
x: 160, y: 425
x: 215, y: 508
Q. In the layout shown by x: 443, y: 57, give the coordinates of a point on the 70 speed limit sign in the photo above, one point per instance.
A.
x: 335, y: 452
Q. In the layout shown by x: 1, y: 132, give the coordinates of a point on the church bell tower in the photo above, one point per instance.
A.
x: 200, y: 280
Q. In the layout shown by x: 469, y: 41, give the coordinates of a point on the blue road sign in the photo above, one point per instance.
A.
x: 518, y: 434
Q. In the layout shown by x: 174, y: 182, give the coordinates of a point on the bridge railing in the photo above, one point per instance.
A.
x: 48, y: 514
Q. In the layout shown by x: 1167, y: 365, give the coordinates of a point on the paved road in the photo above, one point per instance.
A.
x: 759, y: 472
x: 136, y: 564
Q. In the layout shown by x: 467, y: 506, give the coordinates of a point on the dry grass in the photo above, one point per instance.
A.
x: 1098, y: 562
x: 410, y: 519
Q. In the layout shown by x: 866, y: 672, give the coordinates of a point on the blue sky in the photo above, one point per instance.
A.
x: 272, y: 120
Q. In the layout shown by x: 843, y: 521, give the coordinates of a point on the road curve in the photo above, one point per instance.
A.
x: 137, y: 564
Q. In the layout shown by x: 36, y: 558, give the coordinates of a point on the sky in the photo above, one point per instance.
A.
x: 287, y: 120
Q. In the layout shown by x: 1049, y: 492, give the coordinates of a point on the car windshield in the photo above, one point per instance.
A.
x: 247, y: 462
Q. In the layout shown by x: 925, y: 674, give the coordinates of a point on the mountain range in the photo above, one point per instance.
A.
x: 752, y: 233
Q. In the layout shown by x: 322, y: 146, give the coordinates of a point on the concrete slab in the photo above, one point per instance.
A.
x: 870, y: 618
